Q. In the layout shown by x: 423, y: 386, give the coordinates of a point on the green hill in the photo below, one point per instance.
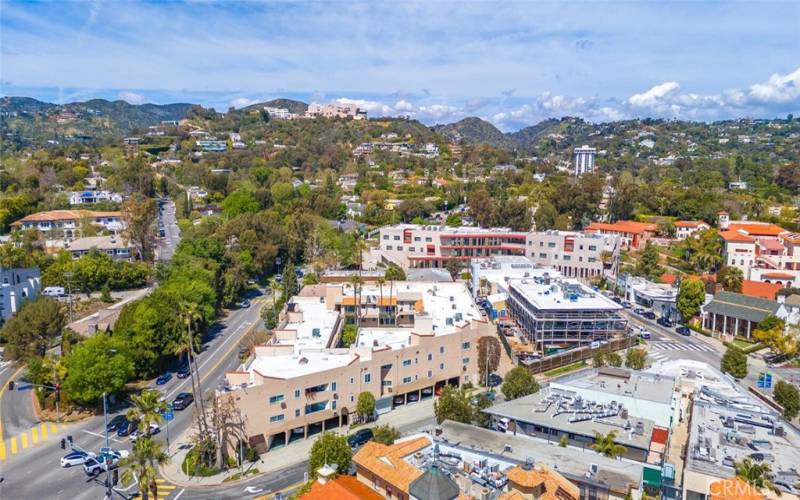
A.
x: 473, y: 130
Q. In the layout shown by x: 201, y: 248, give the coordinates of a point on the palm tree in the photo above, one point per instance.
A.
x: 190, y: 313
x: 141, y: 466
x: 147, y: 409
x: 731, y: 279
x: 756, y: 475
x: 606, y: 445
x: 393, y: 273
x: 355, y: 282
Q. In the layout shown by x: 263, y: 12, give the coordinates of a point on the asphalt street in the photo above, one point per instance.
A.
x: 172, y: 235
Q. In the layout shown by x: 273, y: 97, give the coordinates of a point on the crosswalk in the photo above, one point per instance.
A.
x: 677, y: 346
x: 262, y: 300
x: 165, y: 489
x: 37, y: 434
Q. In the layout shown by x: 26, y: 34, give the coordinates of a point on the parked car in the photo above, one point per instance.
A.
x: 495, y: 380
x: 683, y: 330
x: 183, y: 372
x: 182, y: 401
x: 665, y: 322
x: 151, y: 431
x: 649, y: 315
x: 399, y: 400
x: 75, y: 458
x: 413, y: 397
x: 245, y: 303
x: 359, y: 438
x: 626, y: 304
x: 116, y: 423
x: 163, y: 378
x: 53, y: 291
x: 644, y: 334
x: 638, y: 311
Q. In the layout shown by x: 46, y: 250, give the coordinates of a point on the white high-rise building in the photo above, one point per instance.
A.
x: 584, y: 160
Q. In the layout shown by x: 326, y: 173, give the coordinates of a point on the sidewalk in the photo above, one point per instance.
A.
x: 408, y: 418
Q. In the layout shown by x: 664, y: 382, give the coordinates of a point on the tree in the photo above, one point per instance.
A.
x: 365, y: 406
x: 147, y: 409
x: 788, y: 396
x: 453, y: 267
x: 99, y: 365
x: 349, y: 334
x: 606, y: 358
x: 480, y: 403
x: 519, y: 382
x: 329, y: 449
x: 385, y: 434
x: 691, y: 295
x: 635, y: 358
x: 734, y: 361
x: 105, y: 294
x: 563, y: 441
x: 453, y: 404
x: 139, y: 214
x: 755, y: 474
x: 666, y: 228
x: 240, y: 202
x: 730, y: 278
x: 141, y: 466
x: 31, y: 331
x: 648, y: 264
x: 453, y: 220
x: 606, y: 444
x: 488, y: 356
x: 545, y: 216
x: 289, y: 280
x: 773, y: 333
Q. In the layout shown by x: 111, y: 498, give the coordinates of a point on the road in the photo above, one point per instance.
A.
x: 34, y: 472
x: 172, y: 234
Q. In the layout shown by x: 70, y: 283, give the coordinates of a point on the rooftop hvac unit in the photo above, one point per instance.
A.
x: 459, y: 316
x: 454, y: 307
x: 452, y: 299
x: 593, y: 468
x: 316, y: 333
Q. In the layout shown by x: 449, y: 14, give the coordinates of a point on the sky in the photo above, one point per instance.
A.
x: 512, y: 63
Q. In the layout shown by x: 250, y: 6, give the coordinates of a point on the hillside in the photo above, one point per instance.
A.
x: 30, y: 120
x: 473, y: 130
x: 297, y: 107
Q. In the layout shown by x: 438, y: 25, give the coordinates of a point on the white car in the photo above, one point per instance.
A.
x: 95, y: 465
x: 154, y: 429
x: 75, y: 458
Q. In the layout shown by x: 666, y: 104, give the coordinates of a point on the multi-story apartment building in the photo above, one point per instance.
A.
x: 17, y: 286
x: 574, y: 254
x: 414, y: 338
x: 584, y: 160
x: 558, y: 312
x: 67, y: 223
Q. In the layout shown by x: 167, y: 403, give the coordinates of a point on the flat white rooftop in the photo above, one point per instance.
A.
x: 563, y: 295
x: 317, y: 326
x: 297, y: 365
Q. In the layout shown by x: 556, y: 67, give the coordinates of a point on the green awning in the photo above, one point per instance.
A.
x: 651, y: 477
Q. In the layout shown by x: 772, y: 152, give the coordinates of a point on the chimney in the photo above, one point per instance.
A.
x: 325, y: 472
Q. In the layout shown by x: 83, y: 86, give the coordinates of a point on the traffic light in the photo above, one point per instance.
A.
x: 63, y: 444
x: 11, y: 385
x: 69, y: 438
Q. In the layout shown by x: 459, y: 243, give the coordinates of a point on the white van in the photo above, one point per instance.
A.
x: 53, y: 291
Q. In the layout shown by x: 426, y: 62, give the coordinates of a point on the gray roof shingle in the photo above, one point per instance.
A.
x: 736, y: 305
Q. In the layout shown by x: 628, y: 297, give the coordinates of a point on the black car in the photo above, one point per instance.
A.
x: 117, y: 423
x: 359, y: 438
x: 182, y: 401
x: 183, y: 372
x: 126, y: 429
x: 684, y: 330
x: 649, y: 315
x: 639, y: 311
x: 665, y: 322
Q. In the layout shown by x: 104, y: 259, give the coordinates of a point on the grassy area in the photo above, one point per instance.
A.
x: 240, y: 475
x: 741, y: 344
x: 190, y: 466
x: 565, y: 369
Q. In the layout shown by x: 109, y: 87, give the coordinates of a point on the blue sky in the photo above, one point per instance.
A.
x: 513, y: 63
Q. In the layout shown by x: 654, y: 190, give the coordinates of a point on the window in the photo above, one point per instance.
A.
x: 465, y: 345
x: 388, y: 247
x: 276, y: 418
x: 411, y: 249
x: 367, y: 378
x: 430, y: 357
x: 352, y: 380
x: 315, y: 407
x: 399, y: 247
x: 567, y: 257
x: 297, y: 413
x: 386, y: 383
x: 352, y: 399
x: 441, y: 350
x: 592, y: 259
x: 542, y: 255
x: 428, y: 239
x: 275, y: 399
x: 417, y: 238
x: 296, y: 393
x: 385, y: 236
x: 397, y: 238
x: 465, y: 361
x: 592, y: 248
x: 441, y: 366
x: 333, y: 386
x: 551, y: 244
x: 406, y: 380
x: 406, y: 362
x: 333, y: 405
x: 430, y: 374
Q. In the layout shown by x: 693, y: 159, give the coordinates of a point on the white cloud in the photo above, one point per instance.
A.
x: 403, y: 105
x: 242, y: 102
x: 778, y: 89
x: 655, y: 97
x: 132, y: 97
x: 439, y: 112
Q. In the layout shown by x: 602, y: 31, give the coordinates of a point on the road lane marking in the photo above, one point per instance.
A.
x: 179, y: 494
x: 45, y: 434
x: 24, y: 439
x: 101, y: 435
x: 35, y: 435
x: 3, y: 391
x: 14, y: 446
x: 53, y: 428
x: 2, y: 450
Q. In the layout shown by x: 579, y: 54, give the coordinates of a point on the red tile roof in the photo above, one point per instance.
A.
x: 736, y: 236
x: 623, y: 226
x: 760, y: 289
x: 54, y: 215
x: 341, y: 488
x: 778, y: 275
x: 770, y: 244
x: 668, y: 278
x: 755, y: 229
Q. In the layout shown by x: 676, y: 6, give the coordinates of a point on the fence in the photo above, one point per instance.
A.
x: 580, y: 354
